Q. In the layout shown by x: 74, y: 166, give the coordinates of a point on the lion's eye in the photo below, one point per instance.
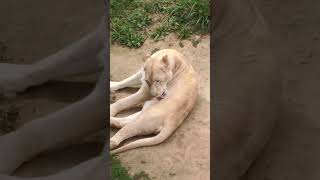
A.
x: 157, y: 81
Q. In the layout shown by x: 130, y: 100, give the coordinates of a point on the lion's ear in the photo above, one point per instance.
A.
x: 165, y: 60
x: 145, y: 58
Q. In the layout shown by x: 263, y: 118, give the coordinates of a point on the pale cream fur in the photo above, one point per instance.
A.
x: 169, y: 88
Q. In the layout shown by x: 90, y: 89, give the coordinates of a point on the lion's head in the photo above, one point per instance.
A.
x: 157, y: 74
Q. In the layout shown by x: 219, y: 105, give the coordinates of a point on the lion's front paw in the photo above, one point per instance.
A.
x: 114, y: 86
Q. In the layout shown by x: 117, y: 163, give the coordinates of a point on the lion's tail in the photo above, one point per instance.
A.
x: 159, y: 138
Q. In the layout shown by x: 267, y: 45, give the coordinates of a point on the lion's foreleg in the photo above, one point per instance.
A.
x: 120, y: 122
x: 132, y: 81
x: 130, y: 101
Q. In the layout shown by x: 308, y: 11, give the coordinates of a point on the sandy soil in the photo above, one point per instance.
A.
x: 29, y: 31
x: 185, y: 155
x: 293, y: 152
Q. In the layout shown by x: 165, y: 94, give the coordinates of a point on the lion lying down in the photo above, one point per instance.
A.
x: 169, y: 88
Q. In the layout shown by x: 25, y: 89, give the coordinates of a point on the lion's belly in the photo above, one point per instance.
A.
x: 179, y: 102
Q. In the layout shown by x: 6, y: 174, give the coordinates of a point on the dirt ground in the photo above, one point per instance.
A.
x: 185, y: 155
x: 29, y: 31
x: 293, y: 152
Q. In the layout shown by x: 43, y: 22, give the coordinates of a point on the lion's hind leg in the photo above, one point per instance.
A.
x: 121, y: 122
x: 139, y: 127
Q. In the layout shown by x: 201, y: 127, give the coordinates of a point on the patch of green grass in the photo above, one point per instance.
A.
x: 126, y: 27
x: 159, y: 33
x: 118, y: 6
x: 193, y: 15
x: 184, y: 17
x: 131, y: 18
x: 119, y: 172
x: 158, y: 6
